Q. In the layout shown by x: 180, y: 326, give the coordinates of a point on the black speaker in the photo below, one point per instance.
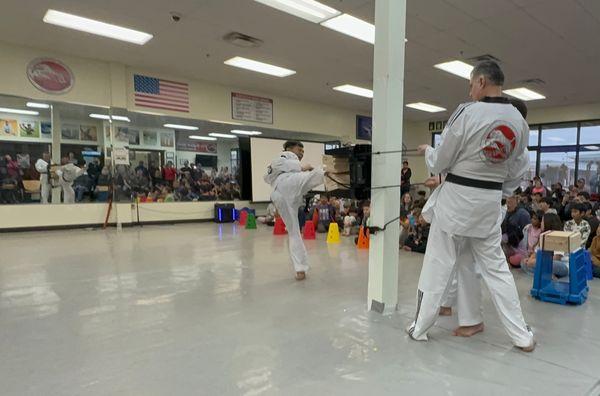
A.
x: 224, y: 213
x: 359, y: 160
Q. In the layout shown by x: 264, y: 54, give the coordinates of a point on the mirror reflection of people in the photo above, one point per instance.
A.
x: 67, y: 174
x: 42, y: 167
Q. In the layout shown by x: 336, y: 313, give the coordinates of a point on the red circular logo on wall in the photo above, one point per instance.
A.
x: 499, y: 144
x: 50, y: 75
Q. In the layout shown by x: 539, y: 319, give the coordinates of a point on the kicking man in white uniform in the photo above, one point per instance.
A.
x: 291, y: 181
x: 484, y: 153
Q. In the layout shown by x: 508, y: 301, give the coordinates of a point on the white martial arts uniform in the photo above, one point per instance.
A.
x: 41, y: 167
x: 485, y: 142
x: 67, y: 174
x: 290, y: 185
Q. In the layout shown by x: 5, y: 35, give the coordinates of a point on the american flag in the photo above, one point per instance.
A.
x: 161, y: 94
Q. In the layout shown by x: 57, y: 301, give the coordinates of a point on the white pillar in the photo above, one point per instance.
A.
x: 388, y: 103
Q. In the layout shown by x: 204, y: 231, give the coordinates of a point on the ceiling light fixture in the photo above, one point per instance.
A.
x: 196, y: 137
x: 592, y: 147
x: 524, y: 94
x: 18, y: 111
x: 354, y: 90
x: 92, y: 26
x: 456, y: 67
x: 259, y: 67
x: 226, y: 122
x: 106, y: 117
x: 184, y: 127
x: 246, y: 133
x: 38, y: 105
x: 310, y: 10
x: 352, y: 26
x: 120, y: 118
x: 425, y: 107
x: 222, y: 135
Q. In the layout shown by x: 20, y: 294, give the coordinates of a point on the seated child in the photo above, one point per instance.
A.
x: 326, y: 214
x: 595, y: 254
x: 560, y: 263
x: 349, y: 222
x: 417, y: 238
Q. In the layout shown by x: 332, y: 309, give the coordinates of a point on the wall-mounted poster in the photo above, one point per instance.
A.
x: 69, y: 132
x: 251, y: 108
x: 134, y: 137
x: 150, y: 138
x: 121, y: 156
x: 29, y: 128
x: 364, y: 127
x: 170, y: 156
x: 122, y: 134
x: 167, y: 140
x: 46, y: 129
x: 8, y: 127
x: 89, y: 133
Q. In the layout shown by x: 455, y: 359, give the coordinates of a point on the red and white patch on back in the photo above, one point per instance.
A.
x: 499, y: 144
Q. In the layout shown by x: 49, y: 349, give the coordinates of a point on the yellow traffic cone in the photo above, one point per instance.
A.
x: 333, y: 236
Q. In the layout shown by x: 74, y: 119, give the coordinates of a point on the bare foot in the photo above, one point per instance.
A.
x: 468, y: 331
x: 530, y: 348
x: 445, y: 311
x: 301, y: 275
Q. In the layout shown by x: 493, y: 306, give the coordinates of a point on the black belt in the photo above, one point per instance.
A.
x: 465, y: 181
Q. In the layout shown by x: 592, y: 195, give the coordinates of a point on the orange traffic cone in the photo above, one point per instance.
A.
x: 243, y: 217
x: 309, y: 230
x: 279, y: 228
x: 363, y: 238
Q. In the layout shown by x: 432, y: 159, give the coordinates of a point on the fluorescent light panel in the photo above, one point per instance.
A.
x: 18, y: 111
x: 226, y: 122
x: 107, y: 117
x: 592, y: 147
x: 196, y: 137
x: 246, y: 133
x: 92, y: 26
x: 524, y: 94
x: 120, y: 118
x: 352, y: 26
x: 259, y: 67
x: 185, y: 127
x: 310, y: 10
x: 458, y: 68
x: 425, y: 107
x: 35, y: 105
x: 354, y: 90
x: 222, y: 135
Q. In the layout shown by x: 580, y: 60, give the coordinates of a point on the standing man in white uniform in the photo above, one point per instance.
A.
x: 291, y: 181
x: 483, y: 151
x: 41, y: 166
x: 67, y: 174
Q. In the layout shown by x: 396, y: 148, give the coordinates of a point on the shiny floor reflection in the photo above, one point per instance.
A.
x: 203, y: 309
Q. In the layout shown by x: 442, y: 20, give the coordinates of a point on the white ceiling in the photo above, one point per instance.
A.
x: 554, y: 40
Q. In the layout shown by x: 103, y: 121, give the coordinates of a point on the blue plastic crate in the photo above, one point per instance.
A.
x: 546, y: 289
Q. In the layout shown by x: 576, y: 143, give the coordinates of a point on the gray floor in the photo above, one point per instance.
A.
x: 207, y: 310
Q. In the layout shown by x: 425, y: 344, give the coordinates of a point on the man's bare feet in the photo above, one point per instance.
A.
x: 301, y: 275
x: 445, y: 311
x: 468, y: 331
x: 530, y: 348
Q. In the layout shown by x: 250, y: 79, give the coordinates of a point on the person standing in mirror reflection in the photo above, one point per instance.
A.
x: 67, y: 174
x: 42, y: 167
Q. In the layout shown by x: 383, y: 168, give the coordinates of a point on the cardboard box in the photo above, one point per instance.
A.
x: 560, y: 241
x: 336, y: 164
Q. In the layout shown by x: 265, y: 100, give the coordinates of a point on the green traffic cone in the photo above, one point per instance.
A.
x: 251, y: 222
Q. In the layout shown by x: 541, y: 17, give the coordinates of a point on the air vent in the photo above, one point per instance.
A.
x: 242, y: 40
x: 535, y: 81
x: 486, y: 57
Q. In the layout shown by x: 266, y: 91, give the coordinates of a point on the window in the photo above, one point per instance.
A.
x: 558, y: 165
x: 534, y: 135
x: 533, y: 157
x: 559, y: 135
